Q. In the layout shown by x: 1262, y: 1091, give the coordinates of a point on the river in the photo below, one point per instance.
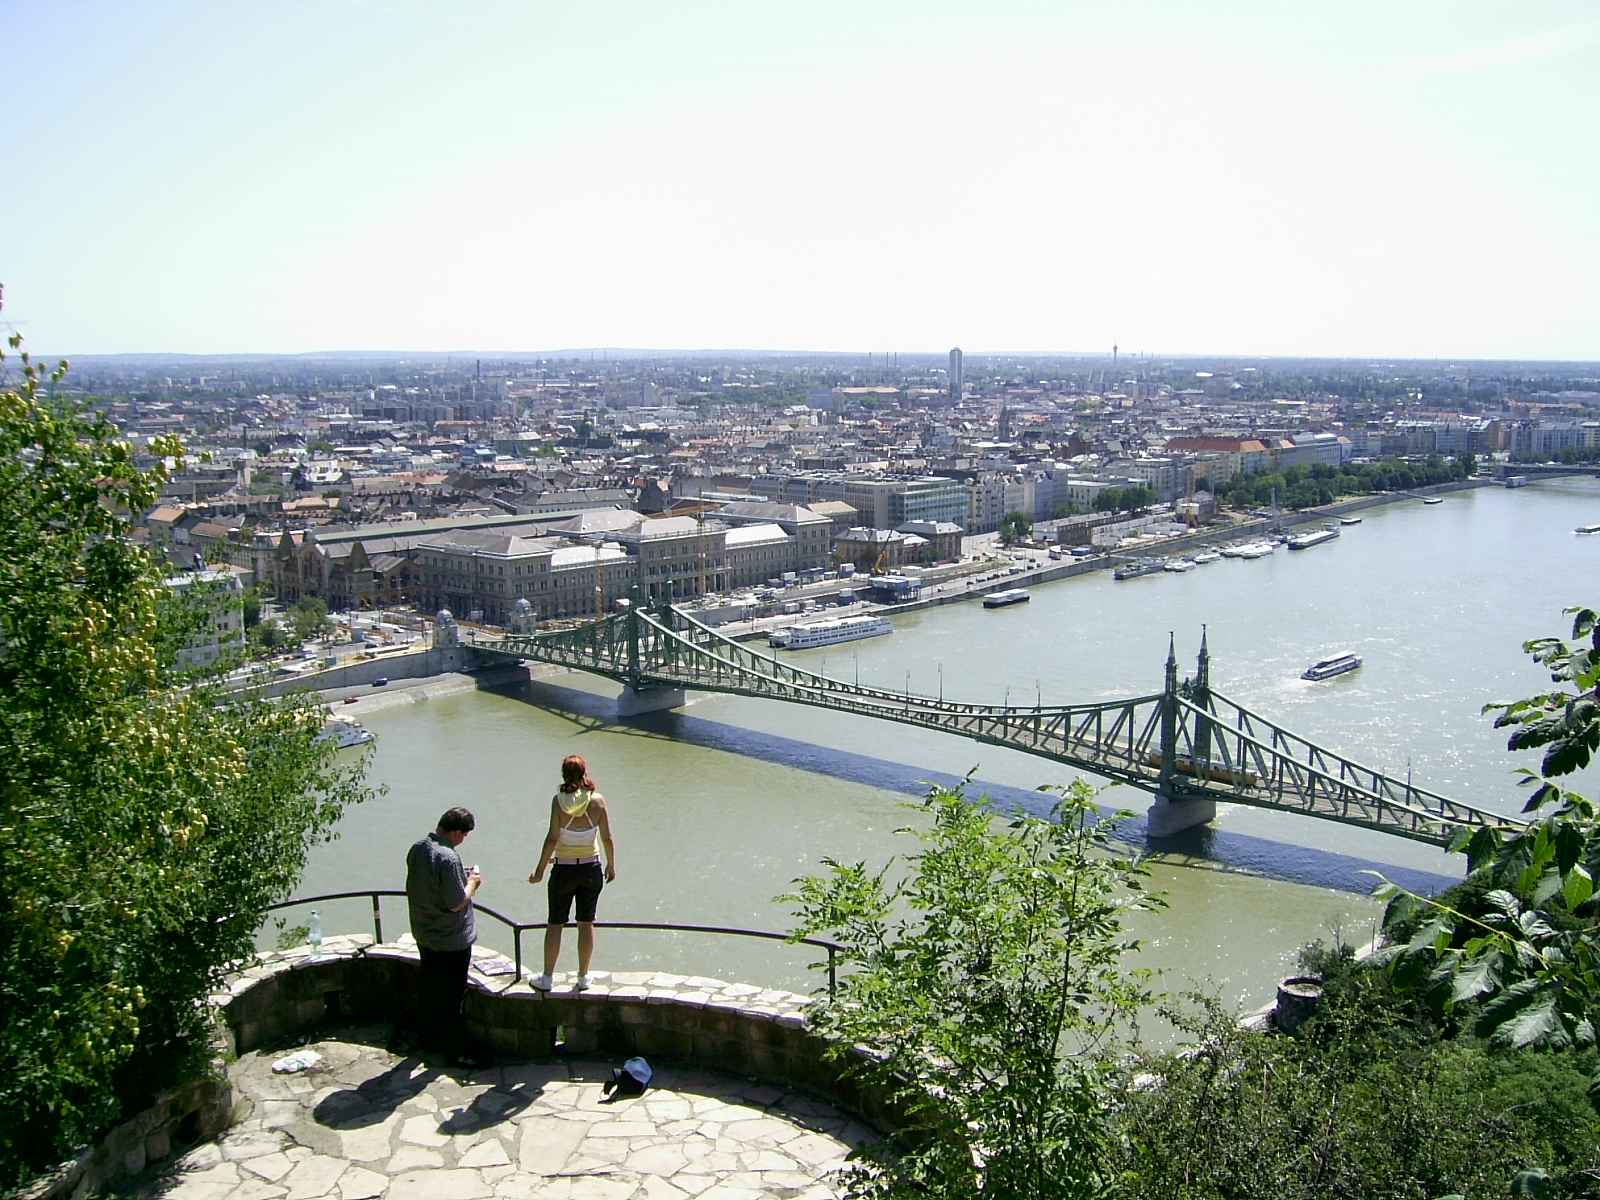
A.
x: 720, y: 805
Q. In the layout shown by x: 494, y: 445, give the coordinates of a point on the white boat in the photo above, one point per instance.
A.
x: 1349, y: 520
x: 1137, y: 568
x: 1327, y: 668
x: 826, y: 633
x: 1304, y: 541
x: 1207, y: 556
x: 1255, y: 550
x: 345, y: 733
x: 1433, y: 499
x: 1178, y: 565
x: 1007, y: 597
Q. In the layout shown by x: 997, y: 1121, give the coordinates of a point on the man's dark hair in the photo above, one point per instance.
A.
x: 457, y: 820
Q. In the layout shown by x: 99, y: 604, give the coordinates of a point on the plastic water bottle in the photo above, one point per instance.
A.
x: 314, y: 934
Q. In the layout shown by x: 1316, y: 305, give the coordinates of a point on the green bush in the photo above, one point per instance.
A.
x: 144, y: 826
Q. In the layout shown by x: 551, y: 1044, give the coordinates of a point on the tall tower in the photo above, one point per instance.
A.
x: 955, y: 374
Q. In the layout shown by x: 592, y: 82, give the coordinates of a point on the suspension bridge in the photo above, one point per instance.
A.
x: 1187, y: 745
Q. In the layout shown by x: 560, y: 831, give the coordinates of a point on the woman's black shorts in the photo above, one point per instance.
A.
x: 582, y: 881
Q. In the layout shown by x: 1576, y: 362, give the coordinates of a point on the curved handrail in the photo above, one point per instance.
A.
x: 518, y: 927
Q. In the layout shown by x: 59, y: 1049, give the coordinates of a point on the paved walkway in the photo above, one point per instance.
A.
x: 368, y: 1123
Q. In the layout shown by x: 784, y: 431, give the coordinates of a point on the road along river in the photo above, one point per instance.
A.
x: 720, y: 805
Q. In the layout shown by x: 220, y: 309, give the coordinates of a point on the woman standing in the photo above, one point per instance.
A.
x: 578, y: 819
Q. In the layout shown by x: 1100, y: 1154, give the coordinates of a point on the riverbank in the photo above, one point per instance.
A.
x: 975, y: 586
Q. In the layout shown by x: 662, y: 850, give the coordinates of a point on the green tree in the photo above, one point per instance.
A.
x: 1521, y: 961
x: 308, y: 618
x: 988, y: 985
x: 143, y: 825
x: 1014, y: 527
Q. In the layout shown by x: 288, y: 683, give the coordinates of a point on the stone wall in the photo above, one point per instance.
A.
x: 194, y: 1113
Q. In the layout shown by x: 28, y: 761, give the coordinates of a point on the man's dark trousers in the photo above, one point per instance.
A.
x: 440, y: 989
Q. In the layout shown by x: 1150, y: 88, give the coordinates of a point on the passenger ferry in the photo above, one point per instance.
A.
x: 1007, y: 597
x: 1254, y: 550
x: 826, y: 633
x: 1327, y: 668
x: 1208, y: 556
x: 1178, y: 565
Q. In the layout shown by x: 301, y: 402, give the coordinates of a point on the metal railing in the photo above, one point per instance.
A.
x: 519, y: 927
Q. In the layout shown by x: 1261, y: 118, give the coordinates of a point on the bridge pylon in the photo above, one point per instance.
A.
x: 636, y: 696
x: 1176, y: 807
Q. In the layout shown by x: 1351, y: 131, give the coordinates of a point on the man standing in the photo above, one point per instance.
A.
x: 439, y: 891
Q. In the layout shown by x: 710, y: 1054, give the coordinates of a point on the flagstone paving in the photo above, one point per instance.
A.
x: 369, y: 1124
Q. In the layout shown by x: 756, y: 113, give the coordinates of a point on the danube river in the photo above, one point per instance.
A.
x: 720, y: 805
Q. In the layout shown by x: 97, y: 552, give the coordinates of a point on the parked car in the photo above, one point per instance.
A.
x: 381, y: 681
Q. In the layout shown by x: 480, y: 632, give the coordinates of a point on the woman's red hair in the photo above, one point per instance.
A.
x: 575, y: 774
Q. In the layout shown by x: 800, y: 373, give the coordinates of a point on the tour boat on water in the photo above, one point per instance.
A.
x: 1327, y: 668
x: 826, y: 633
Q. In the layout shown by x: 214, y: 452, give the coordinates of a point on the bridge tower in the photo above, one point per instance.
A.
x: 634, y: 699
x: 1176, y: 808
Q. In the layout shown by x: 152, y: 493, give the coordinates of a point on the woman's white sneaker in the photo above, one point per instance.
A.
x: 543, y: 982
x: 585, y: 982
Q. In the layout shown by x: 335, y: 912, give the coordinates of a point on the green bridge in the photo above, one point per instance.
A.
x: 1187, y: 744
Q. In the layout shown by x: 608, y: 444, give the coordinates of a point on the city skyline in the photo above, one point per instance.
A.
x: 1403, y: 182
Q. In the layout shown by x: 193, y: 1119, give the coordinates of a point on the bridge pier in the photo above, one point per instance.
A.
x: 1167, y: 817
x: 632, y: 702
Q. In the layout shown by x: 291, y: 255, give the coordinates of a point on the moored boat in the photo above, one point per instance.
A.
x: 826, y: 633
x: 1304, y: 541
x: 1005, y: 598
x: 1138, y: 567
x: 345, y: 733
x: 1255, y: 550
x: 1334, y: 664
x: 1208, y: 556
x: 1178, y: 565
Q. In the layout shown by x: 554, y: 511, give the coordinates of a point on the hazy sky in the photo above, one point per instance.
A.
x: 1399, y: 178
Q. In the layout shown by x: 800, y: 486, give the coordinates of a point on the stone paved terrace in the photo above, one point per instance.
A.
x: 370, y: 1123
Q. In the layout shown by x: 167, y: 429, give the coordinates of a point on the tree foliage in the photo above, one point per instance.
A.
x: 1517, y: 952
x: 1361, y: 1102
x: 143, y: 825
x: 989, y: 988
x: 1310, y: 485
x: 1014, y: 527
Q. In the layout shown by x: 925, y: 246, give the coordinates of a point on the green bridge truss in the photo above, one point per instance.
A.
x: 1183, y: 743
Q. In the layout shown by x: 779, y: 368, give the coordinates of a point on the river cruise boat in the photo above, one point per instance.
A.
x: 1208, y: 556
x: 1433, y: 499
x: 1304, y: 541
x: 1008, y: 597
x: 1327, y: 668
x: 1255, y: 550
x: 1349, y: 520
x: 1587, y: 529
x: 1138, y: 567
x: 827, y: 633
x: 345, y: 733
x: 1178, y: 565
